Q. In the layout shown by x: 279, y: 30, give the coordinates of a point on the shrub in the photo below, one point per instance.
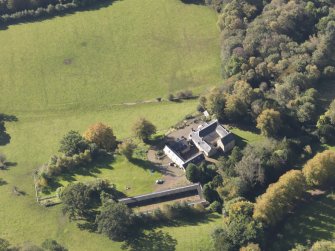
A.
x: 181, y: 211
x: 215, y: 207
x: 59, y: 164
x: 52, y: 245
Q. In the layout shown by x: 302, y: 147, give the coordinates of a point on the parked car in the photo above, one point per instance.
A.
x: 159, y: 182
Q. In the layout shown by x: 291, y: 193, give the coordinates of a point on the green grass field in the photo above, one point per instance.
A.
x: 70, y: 72
x: 131, y: 50
x: 310, y: 223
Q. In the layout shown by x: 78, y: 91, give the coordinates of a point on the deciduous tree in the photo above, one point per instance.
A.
x: 73, y: 143
x: 115, y: 221
x: 192, y: 173
x: 239, y: 228
x: 76, y: 200
x: 144, y: 129
x: 102, y: 135
x: 269, y: 122
x: 280, y: 198
x: 320, y: 170
x: 127, y: 148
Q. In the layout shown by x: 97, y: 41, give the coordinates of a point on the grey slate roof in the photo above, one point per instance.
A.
x: 209, y: 133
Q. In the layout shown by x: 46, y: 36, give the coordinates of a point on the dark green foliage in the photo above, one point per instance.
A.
x: 115, y: 221
x: 53, y: 245
x: 326, y: 125
x: 144, y: 129
x: 239, y: 228
x: 181, y: 212
x: 30, y: 247
x: 233, y: 66
x: 193, y: 173
x: 4, y: 245
x: 210, y: 193
x: 227, y: 164
x: 76, y: 200
x: 203, y: 173
x: 261, y: 164
x: 80, y: 200
x: 73, y: 143
x: 236, y: 233
x: 215, y: 207
x: 126, y: 148
x: 12, y: 11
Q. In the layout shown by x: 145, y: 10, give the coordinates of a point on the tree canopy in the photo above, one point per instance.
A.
x: 269, y: 122
x: 115, y: 220
x: 73, y: 143
x: 144, y: 129
x: 102, y: 135
x: 280, y: 198
x: 320, y: 170
x: 76, y: 200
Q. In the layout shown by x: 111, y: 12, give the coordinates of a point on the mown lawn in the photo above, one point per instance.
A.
x: 312, y: 222
x: 182, y: 236
x: 130, y: 177
x: 244, y: 136
x: 69, y: 72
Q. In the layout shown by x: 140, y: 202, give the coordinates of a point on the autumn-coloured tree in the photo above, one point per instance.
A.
x: 102, y: 135
x: 251, y: 247
x: 144, y: 129
x: 280, y: 197
x: 320, y: 170
x: 269, y: 122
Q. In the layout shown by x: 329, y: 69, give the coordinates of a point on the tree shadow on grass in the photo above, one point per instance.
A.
x: 8, y: 118
x: 187, y: 220
x: 93, y: 7
x: 194, y: 220
x: 4, y: 136
x: 197, y: 2
x: 3, y: 182
x: 8, y: 165
x: 309, y: 223
x: 240, y: 142
x: 149, y: 238
x: 104, y: 160
x: 18, y: 192
x: 145, y: 164
x: 248, y: 128
x: 151, y: 241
